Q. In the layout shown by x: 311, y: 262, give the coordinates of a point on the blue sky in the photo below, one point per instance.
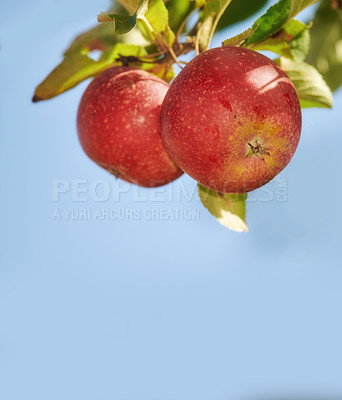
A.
x: 149, y: 305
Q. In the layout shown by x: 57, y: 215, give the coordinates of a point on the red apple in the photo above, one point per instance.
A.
x: 118, y: 126
x: 231, y: 119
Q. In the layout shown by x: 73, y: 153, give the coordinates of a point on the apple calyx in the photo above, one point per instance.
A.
x: 257, y: 149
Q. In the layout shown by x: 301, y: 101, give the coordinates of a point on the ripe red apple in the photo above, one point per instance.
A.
x: 231, y: 119
x: 118, y: 126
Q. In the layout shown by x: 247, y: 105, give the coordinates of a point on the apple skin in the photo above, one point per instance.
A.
x: 231, y: 119
x: 118, y: 126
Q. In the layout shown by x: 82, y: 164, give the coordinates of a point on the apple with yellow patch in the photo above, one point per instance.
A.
x: 231, y: 119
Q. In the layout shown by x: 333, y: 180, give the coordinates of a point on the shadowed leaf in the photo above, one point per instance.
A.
x: 311, y: 87
x: 238, y: 11
x: 178, y: 11
x: 212, y: 12
x: 326, y: 44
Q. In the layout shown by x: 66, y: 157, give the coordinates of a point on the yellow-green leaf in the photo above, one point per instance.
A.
x: 228, y: 209
x: 311, y: 87
x: 71, y: 71
x: 77, y: 67
x: 212, y: 12
x: 154, y: 25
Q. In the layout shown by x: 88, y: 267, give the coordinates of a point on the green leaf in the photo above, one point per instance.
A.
x: 238, y: 11
x: 292, y: 41
x: 326, y: 44
x: 238, y: 39
x: 154, y: 25
x: 178, y: 11
x: 77, y: 67
x: 213, y: 11
x: 275, y: 17
x: 271, y: 21
x: 311, y: 88
x: 228, y: 209
x: 121, y: 23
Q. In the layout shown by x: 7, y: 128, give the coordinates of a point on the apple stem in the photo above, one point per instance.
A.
x: 173, y: 55
x: 114, y: 172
